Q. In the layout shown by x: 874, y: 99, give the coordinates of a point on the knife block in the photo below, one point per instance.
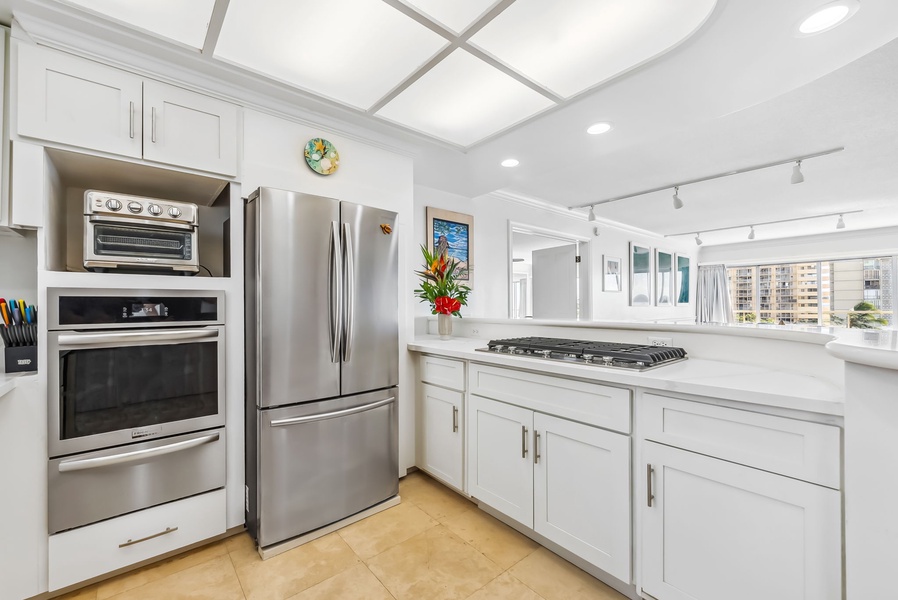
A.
x: 21, y: 358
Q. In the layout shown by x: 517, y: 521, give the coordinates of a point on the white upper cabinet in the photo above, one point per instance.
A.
x: 77, y: 102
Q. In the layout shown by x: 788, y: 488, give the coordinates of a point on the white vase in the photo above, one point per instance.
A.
x: 444, y: 323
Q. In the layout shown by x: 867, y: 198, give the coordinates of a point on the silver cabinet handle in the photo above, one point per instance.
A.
x: 331, y: 415
x: 523, y: 441
x: 454, y: 419
x: 149, y: 537
x: 126, y: 457
x: 78, y: 340
x: 649, y: 496
x: 153, y: 124
x: 334, y: 291
x: 536, y: 455
x: 131, y: 119
x: 349, y: 291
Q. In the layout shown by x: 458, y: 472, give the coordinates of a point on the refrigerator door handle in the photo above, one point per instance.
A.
x: 334, y: 292
x: 348, y: 290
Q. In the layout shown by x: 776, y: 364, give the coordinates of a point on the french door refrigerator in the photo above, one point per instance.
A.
x: 322, y: 355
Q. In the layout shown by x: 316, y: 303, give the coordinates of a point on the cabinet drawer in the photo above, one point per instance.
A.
x: 443, y: 371
x: 93, y: 550
x: 799, y: 449
x: 590, y: 403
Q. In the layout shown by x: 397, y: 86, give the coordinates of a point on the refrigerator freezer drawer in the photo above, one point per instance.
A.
x: 323, y: 461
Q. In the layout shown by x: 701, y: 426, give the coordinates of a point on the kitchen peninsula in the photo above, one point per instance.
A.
x: 754, y: 413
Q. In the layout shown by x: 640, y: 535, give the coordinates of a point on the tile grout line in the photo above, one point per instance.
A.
x: 237, y: 575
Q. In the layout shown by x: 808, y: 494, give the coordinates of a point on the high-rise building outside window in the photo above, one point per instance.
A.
x: 855, y: 293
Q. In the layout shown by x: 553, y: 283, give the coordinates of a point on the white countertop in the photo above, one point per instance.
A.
x: 703, y: 377
x: 875, y: 348
x: 8, y: 381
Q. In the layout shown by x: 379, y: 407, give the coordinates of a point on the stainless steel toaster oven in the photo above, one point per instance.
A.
x: 132, y: 233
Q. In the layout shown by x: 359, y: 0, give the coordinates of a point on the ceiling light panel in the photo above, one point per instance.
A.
x: 569, y: 46
x: 352, y: 51
x: 182, y: 22
x: 463, y: 100
x: 457, y: 15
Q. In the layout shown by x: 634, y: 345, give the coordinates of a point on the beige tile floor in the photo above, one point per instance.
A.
x: 435, y: 545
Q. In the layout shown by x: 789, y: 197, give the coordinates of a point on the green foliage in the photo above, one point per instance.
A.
x: 439, y: 280
x: 746, y: 317
x: 865, y: 317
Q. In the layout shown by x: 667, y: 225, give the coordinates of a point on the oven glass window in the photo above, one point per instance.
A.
x: 118, y: 240
x: 109, y: 389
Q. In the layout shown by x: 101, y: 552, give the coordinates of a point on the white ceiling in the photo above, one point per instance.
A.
x: 692, y: 88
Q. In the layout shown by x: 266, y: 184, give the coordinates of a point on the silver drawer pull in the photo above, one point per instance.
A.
x: 454, y: 419
x: 523, y: 442
x: 128, y: 457
x: 649, y: 496
x: 149, y: 537
x: 332, y: 415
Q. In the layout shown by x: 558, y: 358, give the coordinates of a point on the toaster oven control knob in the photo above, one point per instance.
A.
x: 154, y: 209
x: 135, y: 207
x: 174, y: 212
x: 113, y: 204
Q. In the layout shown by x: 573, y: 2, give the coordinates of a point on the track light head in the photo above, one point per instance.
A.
x: 698, y: 239
x: 751, y: 234
x: 592, y: 214
x: 840, y: 224
x: 678, y: 204
x: 797, y: 177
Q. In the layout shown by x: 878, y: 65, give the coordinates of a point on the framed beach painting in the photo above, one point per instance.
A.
x: 452, y: 231
x: 664, y: 269
x: 640, y: 275
x: 611, y: 274
x: 682, y: 280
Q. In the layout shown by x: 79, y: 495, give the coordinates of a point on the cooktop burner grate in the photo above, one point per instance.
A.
x: 608, y: 354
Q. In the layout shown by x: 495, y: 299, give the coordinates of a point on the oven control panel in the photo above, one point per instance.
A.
x: 75, y: 311
x: 97, y: 202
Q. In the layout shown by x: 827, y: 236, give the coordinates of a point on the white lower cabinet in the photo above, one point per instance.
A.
x: 441, y: 440
x: 567, y: 481
x: 103, y: 547
x: 712, y: 529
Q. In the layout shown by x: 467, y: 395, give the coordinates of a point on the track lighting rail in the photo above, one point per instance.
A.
x: 753, y: 225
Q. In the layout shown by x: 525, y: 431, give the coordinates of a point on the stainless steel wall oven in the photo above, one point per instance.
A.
x: 136, y: 390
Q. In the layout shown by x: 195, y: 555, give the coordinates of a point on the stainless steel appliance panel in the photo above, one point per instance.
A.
x: 89, y: 487
x: 295, y: 238
x: 371, y: 338
x: 323, y: 461
x: 133, y: 384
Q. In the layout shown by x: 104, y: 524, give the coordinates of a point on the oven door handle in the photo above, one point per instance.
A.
x: 127, y: 457
x: 80, y: 340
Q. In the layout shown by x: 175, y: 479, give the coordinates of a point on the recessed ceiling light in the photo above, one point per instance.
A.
x: 510, y: 162
x: 828, y: 16
x: 598, y: 128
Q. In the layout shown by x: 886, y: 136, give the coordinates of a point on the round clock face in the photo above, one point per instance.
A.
x: 321, y: 156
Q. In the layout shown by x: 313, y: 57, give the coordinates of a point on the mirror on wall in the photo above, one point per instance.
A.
x: 682, y: 280
x: 664, y: 278
x: 549, y: 274
x: 640, y: 275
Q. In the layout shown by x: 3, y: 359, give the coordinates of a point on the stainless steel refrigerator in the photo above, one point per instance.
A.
x: 322, y: 355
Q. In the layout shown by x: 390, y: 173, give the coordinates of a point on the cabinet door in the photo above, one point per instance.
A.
x: 189, y: 129
x: 500, y: 471
x: 77, y: 102
x: 441, y: 427
x: 720, y: 530
x: 582, y: 491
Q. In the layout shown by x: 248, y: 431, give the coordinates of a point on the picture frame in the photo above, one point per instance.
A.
x: 640, y: 275
x: 664, y: 275
x: 456, y: 230
x: 681, y: 279
x: 611, y: 274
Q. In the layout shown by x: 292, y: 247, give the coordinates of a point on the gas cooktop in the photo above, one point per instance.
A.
x: 602, y: 354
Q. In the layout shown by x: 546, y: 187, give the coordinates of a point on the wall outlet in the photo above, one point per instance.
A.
x: 660, y: 341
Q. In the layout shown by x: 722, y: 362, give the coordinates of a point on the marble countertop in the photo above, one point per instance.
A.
x: 703, y: 377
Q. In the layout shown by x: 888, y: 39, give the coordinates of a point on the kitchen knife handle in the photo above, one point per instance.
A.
x: 335, y: 285
x: 348, y: 291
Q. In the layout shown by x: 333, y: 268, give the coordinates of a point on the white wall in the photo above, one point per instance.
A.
x: 839, y: 244
x: 490, y: 259
x: 368, y: 175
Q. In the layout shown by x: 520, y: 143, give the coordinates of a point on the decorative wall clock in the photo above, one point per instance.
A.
x: 321, y: 156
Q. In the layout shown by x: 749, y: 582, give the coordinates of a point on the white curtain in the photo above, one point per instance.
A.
x: 713, y: 295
